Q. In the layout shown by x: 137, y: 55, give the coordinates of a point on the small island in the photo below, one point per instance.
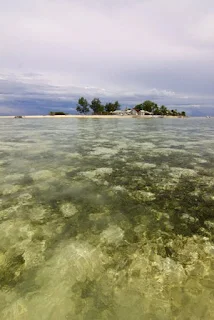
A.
x: 96, y: 109
x: 146, y: 108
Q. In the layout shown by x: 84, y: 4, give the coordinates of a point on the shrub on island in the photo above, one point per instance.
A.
x: 57, y: 113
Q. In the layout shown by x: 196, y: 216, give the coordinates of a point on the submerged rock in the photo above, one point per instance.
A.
x: 68, y: 209
x: 104, y: 151
x: 42, y: 175
x: 143, y: 195
x: 14, y: 177
x: 144, y: 165
x: 118, y: 188
x: 188, y: 218
x: 10, y: 189
x: 38, y: 214
x: 100, y: 172
x: 178, y: 172
x: 112, y: 235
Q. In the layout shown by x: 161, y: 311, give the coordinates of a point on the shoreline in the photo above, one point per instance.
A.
x: 91, y: 117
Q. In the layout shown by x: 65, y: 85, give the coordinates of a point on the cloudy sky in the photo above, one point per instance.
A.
x: 54, y: 51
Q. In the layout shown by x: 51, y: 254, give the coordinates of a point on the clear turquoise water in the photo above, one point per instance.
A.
x: 106, y: 219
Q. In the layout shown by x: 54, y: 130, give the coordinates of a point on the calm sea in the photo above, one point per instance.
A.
x: 106, y: 219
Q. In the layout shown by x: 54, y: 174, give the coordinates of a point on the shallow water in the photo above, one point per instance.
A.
x: 106, y: 219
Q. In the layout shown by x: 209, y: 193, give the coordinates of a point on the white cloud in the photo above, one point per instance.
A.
x: 165, y: 93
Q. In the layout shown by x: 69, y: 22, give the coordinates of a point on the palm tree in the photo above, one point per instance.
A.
x: 163, y: 110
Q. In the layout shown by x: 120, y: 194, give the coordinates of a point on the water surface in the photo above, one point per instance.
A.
x: 106, y: 219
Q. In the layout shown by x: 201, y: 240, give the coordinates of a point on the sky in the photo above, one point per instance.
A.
x: 54, y: 51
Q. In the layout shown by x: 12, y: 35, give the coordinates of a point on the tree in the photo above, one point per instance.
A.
x: 117, y: 105
x: 155, y: 109
x: 174, y: 112
x: 163, y: 110
x: 96, y: 106
x: 183, y: 113
x: 149, y: 106
x: 111, y: 107
x: 82, y: 106
x: 138, y: 107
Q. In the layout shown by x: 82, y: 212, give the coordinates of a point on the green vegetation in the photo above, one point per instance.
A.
x: 151, y: 106
x: 96, y: 106
x: 111, y: 107
x: 57, y: 113
x: 82, y: 106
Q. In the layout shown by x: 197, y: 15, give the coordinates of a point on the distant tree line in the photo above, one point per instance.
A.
x: 153, y: 108
x: 96, y: 106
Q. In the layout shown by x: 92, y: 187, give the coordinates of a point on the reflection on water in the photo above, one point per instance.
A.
x: 106, y: 219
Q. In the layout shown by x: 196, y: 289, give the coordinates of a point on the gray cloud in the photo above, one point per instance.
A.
x: 124, y: 49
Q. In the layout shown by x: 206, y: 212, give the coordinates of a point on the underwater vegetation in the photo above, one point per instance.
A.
x: 107, y: 219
